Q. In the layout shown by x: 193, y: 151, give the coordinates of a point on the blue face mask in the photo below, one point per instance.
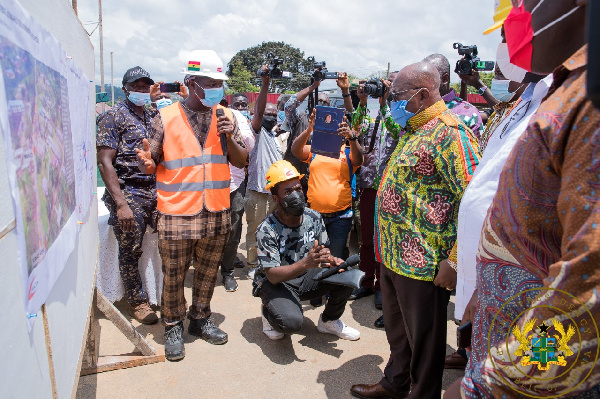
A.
x: 399, y: 112
x: 245, y: 113
x: 211, y: 96
x: 139, y: 99
x: 280, y: 117
x: 163, y: 102
x: 500, y: 90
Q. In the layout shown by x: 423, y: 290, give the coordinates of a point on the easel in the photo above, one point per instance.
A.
x: 93, y: 363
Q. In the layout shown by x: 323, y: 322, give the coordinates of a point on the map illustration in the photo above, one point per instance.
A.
x: 42, y: 147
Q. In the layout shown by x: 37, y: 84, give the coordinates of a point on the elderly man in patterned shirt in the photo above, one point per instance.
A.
x: 416, y: 212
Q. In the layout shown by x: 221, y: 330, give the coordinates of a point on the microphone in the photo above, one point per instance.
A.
x: 220, y: 113
x: 351, y: 261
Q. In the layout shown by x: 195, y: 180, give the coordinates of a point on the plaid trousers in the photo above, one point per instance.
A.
x: 176, y: 255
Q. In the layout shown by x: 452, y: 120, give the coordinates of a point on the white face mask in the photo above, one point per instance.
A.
x: 510, y: 71
x: 500, y: 90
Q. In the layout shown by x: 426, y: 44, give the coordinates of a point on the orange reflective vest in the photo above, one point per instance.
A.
x: 189, y: 178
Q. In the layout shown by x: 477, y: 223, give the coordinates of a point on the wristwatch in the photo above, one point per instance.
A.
x: 346, y: 95
x: 482, y: 90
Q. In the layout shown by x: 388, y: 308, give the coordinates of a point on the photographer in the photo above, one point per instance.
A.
x: 378, y: 146
x: 465, y: 111
x: 259, y: 203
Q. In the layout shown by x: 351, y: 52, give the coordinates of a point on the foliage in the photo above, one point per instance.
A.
x: 294, y: 61
x: 240, y: 79
x: 486, y: 77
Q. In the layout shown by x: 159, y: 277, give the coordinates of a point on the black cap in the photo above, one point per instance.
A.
x: 136, y: 73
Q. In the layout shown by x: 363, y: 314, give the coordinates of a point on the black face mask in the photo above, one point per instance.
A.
x: 293, y: 204
x: 268, y: 122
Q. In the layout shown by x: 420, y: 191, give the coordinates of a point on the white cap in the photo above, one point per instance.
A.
x: 204, y: 63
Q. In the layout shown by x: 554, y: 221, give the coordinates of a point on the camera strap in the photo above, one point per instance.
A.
x: 377, y: 121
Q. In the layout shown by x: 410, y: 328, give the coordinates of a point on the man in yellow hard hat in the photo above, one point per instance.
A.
x: 292, y: 244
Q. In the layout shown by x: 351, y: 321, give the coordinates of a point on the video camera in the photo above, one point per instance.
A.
x: 374, y: 88
x: 321, y: 72
x: 470, y: 60
x: 272, y: 71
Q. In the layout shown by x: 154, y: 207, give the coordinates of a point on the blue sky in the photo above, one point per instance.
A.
x: 354, y: 36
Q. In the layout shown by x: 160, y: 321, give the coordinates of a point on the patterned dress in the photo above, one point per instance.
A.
x: 417, y: 201
x: 539, y: 253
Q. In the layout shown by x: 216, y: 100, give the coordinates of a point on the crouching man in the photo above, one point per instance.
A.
x: 292, y: 245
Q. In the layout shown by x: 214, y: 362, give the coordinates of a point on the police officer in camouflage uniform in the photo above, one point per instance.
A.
x: 130, y: 195
x: 292, y: 244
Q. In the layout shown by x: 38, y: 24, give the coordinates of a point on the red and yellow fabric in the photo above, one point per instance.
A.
x: 189, y: 177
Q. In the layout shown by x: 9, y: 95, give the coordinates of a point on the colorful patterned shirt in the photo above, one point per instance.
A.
x: 465, y: 111
x: 539, y: 253
x: 374, y: 159
x: 417, y: 201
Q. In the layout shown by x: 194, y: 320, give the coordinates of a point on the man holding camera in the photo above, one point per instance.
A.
x: 190, y: 149
x: 378, y: 146
x: 465, y: 111
x: 266, y: 151
x: 130, y: 196
x: 292, y: 244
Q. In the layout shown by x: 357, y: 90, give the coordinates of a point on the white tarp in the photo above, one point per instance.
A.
x: 49, y: 142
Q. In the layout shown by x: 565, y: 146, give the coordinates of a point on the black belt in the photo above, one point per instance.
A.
x: 334, y: 214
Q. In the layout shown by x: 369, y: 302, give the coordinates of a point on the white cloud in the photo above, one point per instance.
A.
x: 355, y: 36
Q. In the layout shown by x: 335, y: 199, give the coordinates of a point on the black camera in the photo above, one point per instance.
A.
x: 470, y: 60
x: 374, y: 88
x: 272, y: 71
x: 321, y: 72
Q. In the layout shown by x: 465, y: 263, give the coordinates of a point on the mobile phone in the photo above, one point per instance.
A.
x: 463, y: 335
x: 170, y: 87
x: 325, y: 140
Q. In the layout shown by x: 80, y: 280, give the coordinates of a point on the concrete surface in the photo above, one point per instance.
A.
x: 305, y: 365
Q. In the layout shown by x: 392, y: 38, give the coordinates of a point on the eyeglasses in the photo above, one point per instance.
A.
x: 395, y: 94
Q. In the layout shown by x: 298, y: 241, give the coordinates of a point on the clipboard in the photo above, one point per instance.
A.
x: 325, y: 139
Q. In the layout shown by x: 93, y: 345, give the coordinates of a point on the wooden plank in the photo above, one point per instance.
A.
x: 92, y: 345
x: 109, y: 363
x: 124, y: 325
x: 49, y: 351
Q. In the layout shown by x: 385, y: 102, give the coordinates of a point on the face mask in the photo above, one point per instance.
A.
x: 500, y: 90
x: 139, y: 99
x: 510, y: 71
x: 293, y: 204
x: 163, y: 102
x: 268, y: 122
x: 399, y: 112
x: 246, y: 114
x: 211, y: 96
x: 280, y: 117
x: 519, y: 34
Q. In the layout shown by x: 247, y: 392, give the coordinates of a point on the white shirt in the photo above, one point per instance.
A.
x: 238, y: 175
x: 480, y: 192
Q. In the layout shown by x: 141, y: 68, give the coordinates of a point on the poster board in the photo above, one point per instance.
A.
x: 26, y: 365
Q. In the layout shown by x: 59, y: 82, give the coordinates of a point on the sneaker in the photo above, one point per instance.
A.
x: 174, y: 348
x: 337, y: 327
x: 230, y: 284
x: 251, y: 272
x: 144, y: 314
x: 270, y: 331
x: 205, y: 329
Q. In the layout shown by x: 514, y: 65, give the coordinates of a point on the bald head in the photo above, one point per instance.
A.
x: 440, y: 62
x: 421, y: 80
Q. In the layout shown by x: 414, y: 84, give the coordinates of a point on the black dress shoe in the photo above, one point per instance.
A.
x: 374, y: 391
x: 455, y: 361
x: 379, y: 322
x: 360, y: 293
x: 205, y: 329
x: 230, y: 284
x: 378, y: 299
x: 174, y: 348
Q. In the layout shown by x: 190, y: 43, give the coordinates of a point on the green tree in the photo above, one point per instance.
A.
x: 486, y: 78
x: 294, y: 61
x: 240, y: 79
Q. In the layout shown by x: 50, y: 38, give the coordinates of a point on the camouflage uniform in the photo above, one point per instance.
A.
x: 279, y: 245
x: 120, y: 128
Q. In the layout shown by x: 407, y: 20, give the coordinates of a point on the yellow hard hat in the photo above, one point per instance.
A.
x: 281, y: 171
x: 502, y: 8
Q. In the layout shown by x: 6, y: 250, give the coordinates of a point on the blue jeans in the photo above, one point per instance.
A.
x: 337, y: 230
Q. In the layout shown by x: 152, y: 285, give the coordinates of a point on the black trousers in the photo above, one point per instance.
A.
x: 236, y: 199
x: 415, y: 324
x: 282, y: 308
